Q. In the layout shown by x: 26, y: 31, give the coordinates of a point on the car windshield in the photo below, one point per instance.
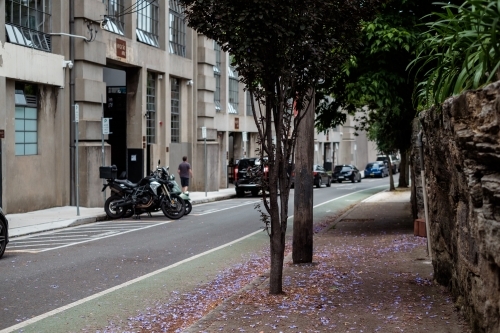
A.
x: 247, y: 162
x: 372, y: 166
x: 346, y: 168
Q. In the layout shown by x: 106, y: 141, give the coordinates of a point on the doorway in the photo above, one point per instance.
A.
x: 115, y: 107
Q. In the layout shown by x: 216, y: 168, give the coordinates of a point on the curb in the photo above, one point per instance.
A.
x: 205, y: 200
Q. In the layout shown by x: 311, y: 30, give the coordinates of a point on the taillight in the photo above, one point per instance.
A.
x: 265, y: 169
x: 314, y: 174
x: 235, y: 174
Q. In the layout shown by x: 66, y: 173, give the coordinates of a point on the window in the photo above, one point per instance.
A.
x: 249, y: 104
x: 115, y: 16
x: 233, y: 91
x: 26, y: 120
x: 177, y: 29
x: 151, y: 109
x: 28, y: 23
x: 175, y: 113
x: 217, y: 73
x: 147, y: 22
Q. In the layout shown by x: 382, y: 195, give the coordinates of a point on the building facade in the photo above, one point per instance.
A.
x: 87, y: 83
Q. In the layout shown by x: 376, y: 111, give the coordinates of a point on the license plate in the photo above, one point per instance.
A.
x: 372, y: 174
x: 341, y: 177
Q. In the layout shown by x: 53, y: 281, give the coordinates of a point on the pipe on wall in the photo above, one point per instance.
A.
x: 72, y: 102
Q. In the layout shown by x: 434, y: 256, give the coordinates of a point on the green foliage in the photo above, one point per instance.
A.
x: 459, y: 51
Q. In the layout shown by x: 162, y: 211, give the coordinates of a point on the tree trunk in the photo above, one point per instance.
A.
x: 403, y: 170
x: 302, y: 246
x: 391, y: 178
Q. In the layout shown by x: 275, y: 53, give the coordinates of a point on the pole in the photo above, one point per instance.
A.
x: 420, y: 145
x: 102, y: 143
x: 206, y: 178
x: 77, y: 116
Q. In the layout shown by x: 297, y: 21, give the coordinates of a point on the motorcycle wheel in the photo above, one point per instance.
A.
x: 174, y: 208
x: 3, y: 237
x: 188, y: 207
x: 111, y: 211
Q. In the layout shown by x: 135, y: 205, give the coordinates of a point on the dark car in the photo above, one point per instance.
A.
x: 4, y: 232
x: 248, y: 172
x: 376, y: 169
x: 320, y: 176
x: 346, y: 172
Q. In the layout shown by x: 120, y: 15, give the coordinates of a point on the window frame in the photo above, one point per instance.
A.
x: 24, y: 101
x: 217, y: 76
x: 147, y: 29
x: 177, y: 29
x: 233, y: 100
x: 115, y: 23
x: 29, y: 25
x: 151, y: 108
x: 175, y: 110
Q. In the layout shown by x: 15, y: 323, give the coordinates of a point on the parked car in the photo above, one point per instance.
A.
x: 320, y: 176
x: 394, y: 162
x: 4, y: 232
x: 346, y: 172
x: 248, y: 172
x: 376, y: 169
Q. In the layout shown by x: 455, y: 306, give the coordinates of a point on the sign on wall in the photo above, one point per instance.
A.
x: 121, y: 48
x: 236, y: 123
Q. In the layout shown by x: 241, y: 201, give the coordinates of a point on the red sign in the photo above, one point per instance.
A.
x: 2, y: 134
x: 121, y: 48
x: 236, y: 123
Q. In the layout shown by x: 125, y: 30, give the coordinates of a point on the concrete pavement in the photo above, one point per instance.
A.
x: 61, y: 217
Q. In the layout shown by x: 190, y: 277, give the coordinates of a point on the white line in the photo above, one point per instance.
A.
x: 94, y: 239
x: 220, y: 210
x: 345, y: 195
x: 118, y: 287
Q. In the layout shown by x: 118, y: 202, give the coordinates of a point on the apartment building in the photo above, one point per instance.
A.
x: 86, y: 83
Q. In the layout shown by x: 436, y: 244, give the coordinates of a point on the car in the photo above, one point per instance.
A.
x: 376, y: 169
x: 4, y: 232
x: 320, y: 176
x: 346, y: 172
x: 394, y: 162
x: 247, y: 173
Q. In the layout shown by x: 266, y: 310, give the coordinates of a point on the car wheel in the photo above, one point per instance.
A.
x: 359, y: 179
x: 339, y: 181
x: 353, y: 179
x: 255, y: 193
x: 318, y: 184
x: 329, y: 184
x: 3, y: 237
x: 240, y: 193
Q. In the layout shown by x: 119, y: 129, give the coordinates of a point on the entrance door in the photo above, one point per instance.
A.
x: 116, y: 108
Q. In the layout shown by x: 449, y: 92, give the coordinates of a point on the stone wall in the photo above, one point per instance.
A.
x: 462, y: 172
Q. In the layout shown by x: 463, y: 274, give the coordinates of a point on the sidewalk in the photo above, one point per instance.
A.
x: 61, y: 217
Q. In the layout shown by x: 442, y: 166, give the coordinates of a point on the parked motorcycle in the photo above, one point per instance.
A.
x: 164, y: 174
x: 149, y: 195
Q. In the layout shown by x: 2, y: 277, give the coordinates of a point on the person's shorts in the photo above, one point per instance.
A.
x: 184, y: 181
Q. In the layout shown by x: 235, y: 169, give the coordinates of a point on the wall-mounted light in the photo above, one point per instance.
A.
x: 189, y: 83
x: 160, y: 77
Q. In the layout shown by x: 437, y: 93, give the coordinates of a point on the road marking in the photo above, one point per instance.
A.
x: 118, y: 287
x: 215, y: 210
x: 141, y: 278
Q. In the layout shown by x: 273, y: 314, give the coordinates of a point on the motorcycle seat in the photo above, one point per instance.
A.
x: 126, y: 182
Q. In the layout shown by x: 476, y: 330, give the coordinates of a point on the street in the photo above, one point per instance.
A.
x: 75, y: 267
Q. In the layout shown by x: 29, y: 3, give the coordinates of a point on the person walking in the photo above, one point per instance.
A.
x: 184, y: 172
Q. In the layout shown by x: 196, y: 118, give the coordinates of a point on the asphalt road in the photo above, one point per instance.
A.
x: 80, y: 277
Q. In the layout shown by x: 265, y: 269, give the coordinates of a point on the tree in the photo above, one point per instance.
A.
x: 377, y: 79
x: 459, y: 50
x: 280, y: 50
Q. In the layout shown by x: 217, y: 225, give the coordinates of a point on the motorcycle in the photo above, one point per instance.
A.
x: 164, y: 174
x: 149, y: 195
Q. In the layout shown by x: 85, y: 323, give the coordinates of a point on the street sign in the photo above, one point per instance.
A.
x: 203, y: 132
x: 77, y: 113
x: 105, y: 126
